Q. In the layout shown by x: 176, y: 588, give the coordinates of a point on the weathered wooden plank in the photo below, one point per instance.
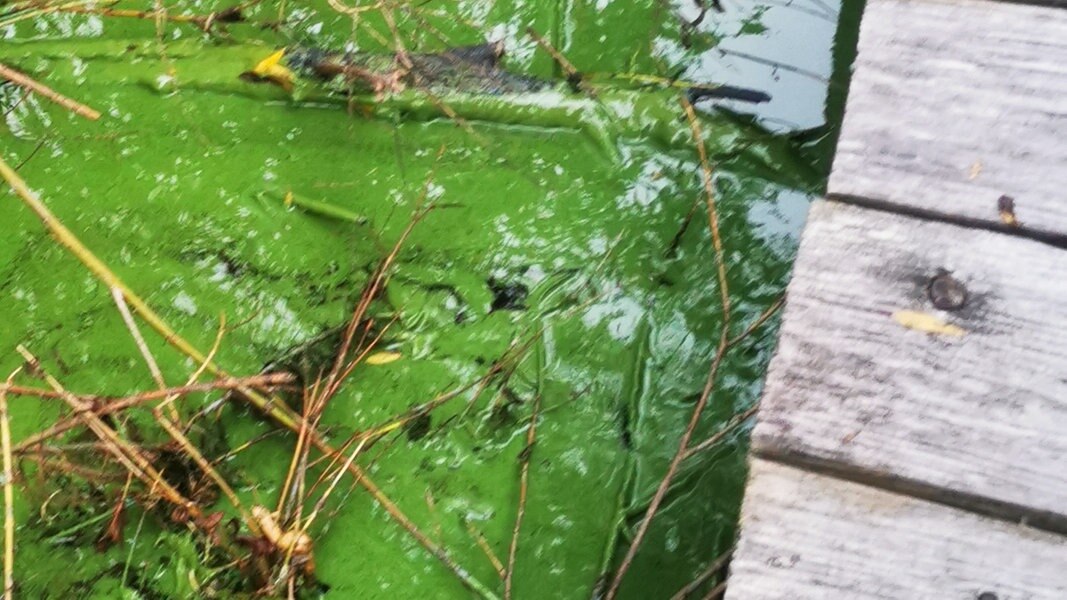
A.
x: 954, y: 103
x: 980, y: 419
x: 806, y: 536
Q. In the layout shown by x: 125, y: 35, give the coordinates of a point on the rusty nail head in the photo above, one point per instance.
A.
x: 946, y: 292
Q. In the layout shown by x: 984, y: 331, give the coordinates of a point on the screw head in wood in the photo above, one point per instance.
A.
x: 946, y: 292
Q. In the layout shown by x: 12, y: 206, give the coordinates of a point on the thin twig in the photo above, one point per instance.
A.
x: 36, y: 148
x: 127, y: 455
x: 33, y: 13
x: 524, y: 481
x: 276, y: 410
x: 183, y: 442
x: 780, y: 66
x: 9, y: 495
x: 329, y: 489
x: 486, y: 549
x: 203, y: 22
x: 568, y: 68
x: 342, y: 367
x: 135, y: 333
x: 764, y: 316
x: 142, y: 347
x: 715, y: 592
x: 713, y: 212
x: 726, y: 430
x: 271, y: 407
x: 200, y: 370
x: 24, y: 81
x: 715, y: 566
x: 672, y: 469
x: 104, y: 409
x: 720, y: 353
x: 402, y: 519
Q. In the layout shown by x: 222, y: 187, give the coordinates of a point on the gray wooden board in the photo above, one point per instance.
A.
x: 981, y: 418
x: 955, y: 103
x: 807, y: 536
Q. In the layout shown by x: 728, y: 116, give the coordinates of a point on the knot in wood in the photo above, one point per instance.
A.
x: 946, y: 292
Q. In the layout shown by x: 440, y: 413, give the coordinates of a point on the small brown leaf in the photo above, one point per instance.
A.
x: 113, y: 533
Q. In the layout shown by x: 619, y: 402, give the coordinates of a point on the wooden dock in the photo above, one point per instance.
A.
x: 912, y: 438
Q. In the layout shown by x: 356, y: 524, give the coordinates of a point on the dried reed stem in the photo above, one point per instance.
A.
x: 485, y: 548
x: 142, y: 347
x: 713, y: 568
x: 274, y: 409
x: 204, y: 22
x: 9, y: 495
x: 124, y: 403
x: 128, y: 455
x: 138, y: 339
x: 24, y: 81
x: 278, y: 411
x: 713, y: 212
x: 190, y: 450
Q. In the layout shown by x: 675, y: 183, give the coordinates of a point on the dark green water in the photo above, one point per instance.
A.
x: 559, y: 213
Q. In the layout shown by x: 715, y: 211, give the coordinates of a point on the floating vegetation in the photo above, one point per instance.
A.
x: 351, y: 300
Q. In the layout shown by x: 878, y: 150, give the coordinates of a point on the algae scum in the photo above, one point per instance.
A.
x: 565, y: 277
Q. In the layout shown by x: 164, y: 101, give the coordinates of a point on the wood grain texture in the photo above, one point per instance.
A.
x: 955, y: 103
x: 806, y: 537
x: 981, y: 417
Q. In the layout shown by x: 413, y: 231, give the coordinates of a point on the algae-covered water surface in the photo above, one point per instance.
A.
x: 524, y: 365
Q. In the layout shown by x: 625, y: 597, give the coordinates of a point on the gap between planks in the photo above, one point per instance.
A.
x: 806, y: 536
x: 1055, y: 240
x: 999, y: 510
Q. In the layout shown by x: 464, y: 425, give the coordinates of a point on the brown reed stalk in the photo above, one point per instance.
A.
x: 26, y: 82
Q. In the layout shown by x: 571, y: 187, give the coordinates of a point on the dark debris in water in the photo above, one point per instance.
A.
x: 507, y: 296
x: 418, y: 427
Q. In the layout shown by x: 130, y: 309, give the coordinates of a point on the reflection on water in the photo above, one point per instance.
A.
x: 789, y: 55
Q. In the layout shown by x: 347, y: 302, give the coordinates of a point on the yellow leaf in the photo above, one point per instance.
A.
x: 272, y: 68
x: 927, y: 323
x: 264, y: 66
x: 382, y: 358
